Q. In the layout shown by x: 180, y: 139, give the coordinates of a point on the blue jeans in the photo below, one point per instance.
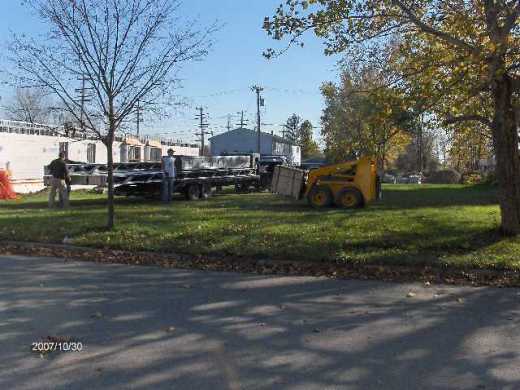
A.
x: 167, y: 189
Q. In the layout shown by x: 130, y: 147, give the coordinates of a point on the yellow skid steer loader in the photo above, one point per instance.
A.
x: 348, y: 185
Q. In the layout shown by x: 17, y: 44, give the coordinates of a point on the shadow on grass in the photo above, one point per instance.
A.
x: 394, y: 198
x: 408, y: 248
x: 74, y: 203
x: 276, y: 227
x: 437, y: 196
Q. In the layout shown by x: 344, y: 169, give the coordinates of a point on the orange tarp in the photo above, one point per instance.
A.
x: 6, y: 189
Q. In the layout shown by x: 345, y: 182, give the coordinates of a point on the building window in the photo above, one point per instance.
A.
x: 91, y: 153
x: 64, y: 148
x: 155, y: 154
x: 134, y: 154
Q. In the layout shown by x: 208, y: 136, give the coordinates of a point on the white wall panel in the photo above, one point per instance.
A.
x: 27, y: 154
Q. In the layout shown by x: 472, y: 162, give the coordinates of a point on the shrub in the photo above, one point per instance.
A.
x: 472, y: 178
x: 445, y: 176
x: 490, y: 178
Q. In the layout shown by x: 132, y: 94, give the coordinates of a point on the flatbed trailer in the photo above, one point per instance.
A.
x: 196, y: 177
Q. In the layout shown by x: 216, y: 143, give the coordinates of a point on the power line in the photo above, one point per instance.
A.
x: 220, y: 93
x: 292, y: 91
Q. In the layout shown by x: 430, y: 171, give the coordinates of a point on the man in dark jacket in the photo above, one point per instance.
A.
x: 60, y: 178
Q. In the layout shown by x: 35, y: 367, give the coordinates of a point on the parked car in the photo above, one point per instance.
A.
x: 389, y: 179
x: 415, y: 179
x: 273, y: 160
x: 403, y: 180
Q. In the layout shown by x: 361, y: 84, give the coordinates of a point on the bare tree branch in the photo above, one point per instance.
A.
x: 465, y: 118
x: 125, y: 51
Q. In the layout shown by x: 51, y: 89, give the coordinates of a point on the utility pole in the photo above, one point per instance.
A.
x: 243, y: 121
x: 83, y: 100
x: 228, y: 126
x: 283, y: 126
x: 259, y: 103
x: 82, y: 125
x: 203, y: 125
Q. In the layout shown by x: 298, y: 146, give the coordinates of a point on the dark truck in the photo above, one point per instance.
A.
x: 196, y: 177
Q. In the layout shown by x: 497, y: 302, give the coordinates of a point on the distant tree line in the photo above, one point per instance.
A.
x: 300, y: 132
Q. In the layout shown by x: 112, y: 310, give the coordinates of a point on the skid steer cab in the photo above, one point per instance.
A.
x: 348, y: 185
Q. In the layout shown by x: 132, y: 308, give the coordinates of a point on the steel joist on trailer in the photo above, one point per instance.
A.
x: 196, y: 176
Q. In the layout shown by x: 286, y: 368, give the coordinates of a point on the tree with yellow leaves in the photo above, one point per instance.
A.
x: 363, y: 117
x: 462, y: 56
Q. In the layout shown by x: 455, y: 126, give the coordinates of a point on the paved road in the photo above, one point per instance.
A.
x: 151, y: 328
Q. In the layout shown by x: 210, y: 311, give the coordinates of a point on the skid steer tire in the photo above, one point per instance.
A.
x: 349, y: 198
x: 320, y: 197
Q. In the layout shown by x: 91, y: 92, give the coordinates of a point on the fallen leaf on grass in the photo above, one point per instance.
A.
x: 228, y: 262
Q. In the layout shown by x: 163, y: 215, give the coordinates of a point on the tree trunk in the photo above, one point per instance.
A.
x: 110, y: 182
x: 505, y: 139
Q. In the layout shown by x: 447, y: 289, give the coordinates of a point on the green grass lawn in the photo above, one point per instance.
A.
x: 429, y: 224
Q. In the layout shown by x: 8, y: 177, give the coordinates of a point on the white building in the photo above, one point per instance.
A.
x: 26, y: 148
x: 243, y: 140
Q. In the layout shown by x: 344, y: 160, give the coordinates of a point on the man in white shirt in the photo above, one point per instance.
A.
x: 168, y: 184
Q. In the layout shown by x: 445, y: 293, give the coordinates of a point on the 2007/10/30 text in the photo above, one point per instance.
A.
x: 60, y: 347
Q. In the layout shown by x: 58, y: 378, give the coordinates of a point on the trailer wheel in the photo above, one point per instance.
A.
x: 349, y: 198
x: 241, y: 188
x: 205, y: 191
x: 320, y: 197
x: 193, y: 192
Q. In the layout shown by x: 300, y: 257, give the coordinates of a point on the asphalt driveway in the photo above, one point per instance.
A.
x: 153, y: 328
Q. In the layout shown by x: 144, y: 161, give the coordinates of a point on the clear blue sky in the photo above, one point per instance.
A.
x: 222, y: 82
